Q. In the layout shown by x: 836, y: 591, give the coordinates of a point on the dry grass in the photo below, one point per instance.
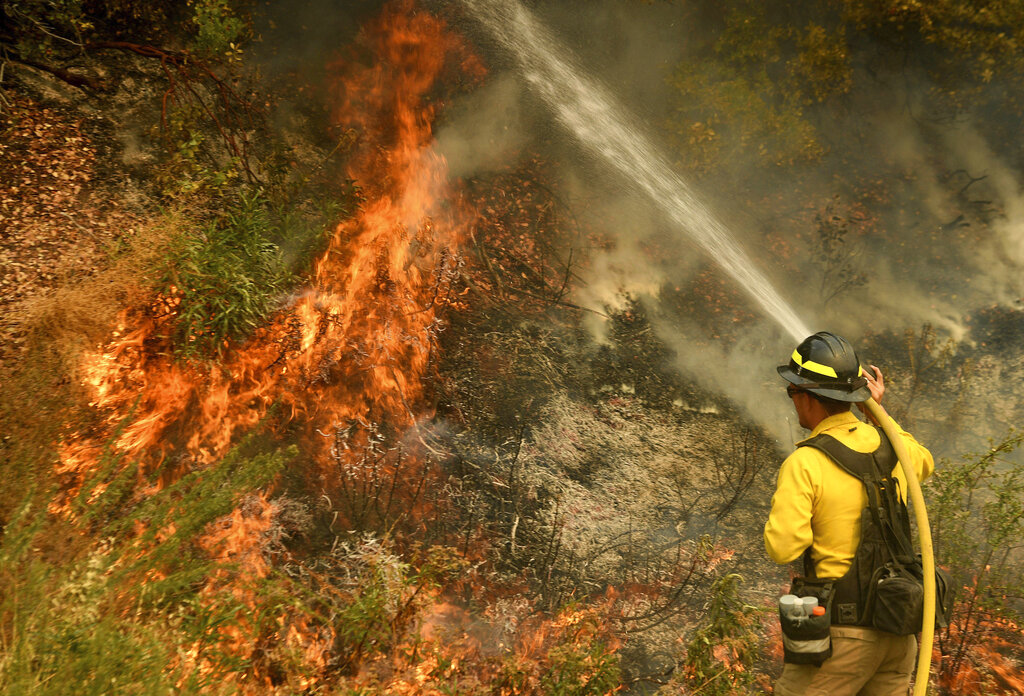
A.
x: 80, y: 313
x: 59, y: 212
x: 41, y: 390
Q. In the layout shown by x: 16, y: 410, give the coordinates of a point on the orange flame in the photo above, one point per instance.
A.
x: 990, y: 660
x: 354, y: 346
x: 365, y: 325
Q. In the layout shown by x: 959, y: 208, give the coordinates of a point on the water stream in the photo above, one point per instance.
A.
x: 593, y: 116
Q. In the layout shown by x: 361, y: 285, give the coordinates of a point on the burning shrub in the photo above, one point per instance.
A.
x: 139, y: 610
x: 382, y: 590
x: 577, y: 657
x: 720, y: 656
x: 58, y: 631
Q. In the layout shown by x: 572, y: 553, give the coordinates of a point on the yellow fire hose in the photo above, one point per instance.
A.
x: 924, y: 655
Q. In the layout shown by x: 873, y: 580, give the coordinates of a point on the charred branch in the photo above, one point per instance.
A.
x: 971, y: 180
x: 230, y: 113
x: 78, y: 81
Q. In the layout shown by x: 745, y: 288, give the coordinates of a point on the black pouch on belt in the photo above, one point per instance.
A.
x: 806, y: 640
x: 897, y: 602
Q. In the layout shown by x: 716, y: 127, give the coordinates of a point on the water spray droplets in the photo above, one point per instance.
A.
x: 589, y: 112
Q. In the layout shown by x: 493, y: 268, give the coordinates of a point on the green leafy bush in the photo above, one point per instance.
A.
x: 978, y: 522
x: 587, y: 669
x: 720, y: 656
x: 381, y: 587
x: 219, y: 30
x: 39, y: 27
x: 48, y: 29
x: 226, y: 278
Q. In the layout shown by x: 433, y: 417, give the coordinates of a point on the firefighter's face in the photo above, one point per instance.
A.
x: 802, y: 404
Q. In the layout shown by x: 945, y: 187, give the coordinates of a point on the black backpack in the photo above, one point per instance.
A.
x: 884, y: 587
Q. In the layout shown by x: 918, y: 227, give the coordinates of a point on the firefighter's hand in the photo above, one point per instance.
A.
x: 876, y: 385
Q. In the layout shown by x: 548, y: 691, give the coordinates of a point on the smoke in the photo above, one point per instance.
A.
x: 1000, y: 258
x: 742, y: 371
x: 299, y: 38
x: 931, y: 252
x: 485, y: 130
x: 953, y: 233
x: 945, y: 235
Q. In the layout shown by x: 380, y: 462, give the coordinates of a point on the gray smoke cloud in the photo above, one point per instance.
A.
x: 949, y: 232
x: 1000, y: 258
x: 949, y: 237
x: 743, y: 371
x: 924, y: 267
x: 485, y: 130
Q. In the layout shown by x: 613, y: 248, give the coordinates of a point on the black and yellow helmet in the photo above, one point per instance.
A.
x: 827, y: 365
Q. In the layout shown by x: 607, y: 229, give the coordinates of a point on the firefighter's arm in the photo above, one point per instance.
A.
x: 787, y: 533
x: 924, y: 463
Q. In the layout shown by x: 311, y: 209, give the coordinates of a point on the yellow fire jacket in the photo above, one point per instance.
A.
x: 817, y: 504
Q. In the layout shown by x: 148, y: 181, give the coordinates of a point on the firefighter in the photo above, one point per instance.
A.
x: 818, y: 511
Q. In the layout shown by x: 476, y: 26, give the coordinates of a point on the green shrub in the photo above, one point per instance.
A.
x: 227, y: 277
x: 587, y: 669
x: 119, y: 617
x: 977, y: 516
x: 382, y: 594
x: 48, y: 29
x: 721, y: 654
x: 38, y: 27
x: 219, y: 30
x: 381, y: 588
x: 60, y: 634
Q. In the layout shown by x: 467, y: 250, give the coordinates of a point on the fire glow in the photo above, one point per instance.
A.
x: 352, y: 349
x: 355, y: 345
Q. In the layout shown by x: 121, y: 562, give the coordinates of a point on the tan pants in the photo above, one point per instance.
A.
x: 864, y: 662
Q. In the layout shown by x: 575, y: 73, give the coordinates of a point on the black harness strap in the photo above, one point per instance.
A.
x: 874, y: 471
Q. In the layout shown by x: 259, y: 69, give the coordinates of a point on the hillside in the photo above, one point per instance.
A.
x: 333, y: 363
